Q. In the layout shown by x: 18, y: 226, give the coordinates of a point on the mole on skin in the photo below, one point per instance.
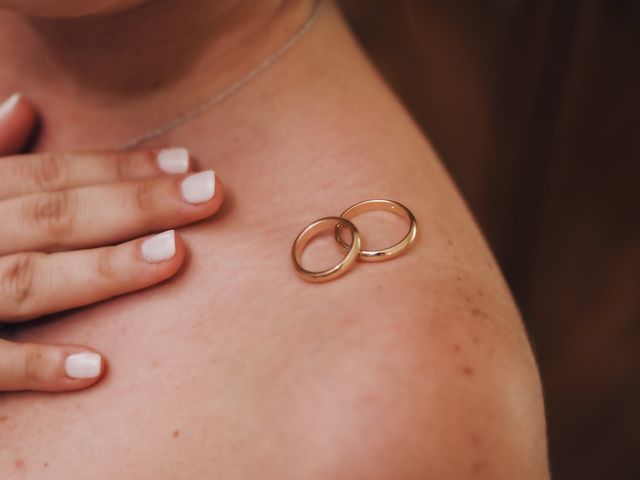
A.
x: 476, y: 312
x: 176, y: 433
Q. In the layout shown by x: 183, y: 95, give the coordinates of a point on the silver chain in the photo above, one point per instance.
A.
x: 230, y: 89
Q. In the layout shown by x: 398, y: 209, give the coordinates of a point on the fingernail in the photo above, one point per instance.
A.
x: 173, y: 160
x: 160, y: 247
x: 199, y: 187
x: 9, y: 103
x: 83, y: 365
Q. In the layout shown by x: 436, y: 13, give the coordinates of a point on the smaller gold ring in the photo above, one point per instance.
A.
x: 309, y: 232
x: 387, y: 205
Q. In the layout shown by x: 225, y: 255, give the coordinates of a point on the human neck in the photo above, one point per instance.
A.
x: 131, y: 71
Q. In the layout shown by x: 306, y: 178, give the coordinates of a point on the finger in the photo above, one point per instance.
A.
x: 47, y: 368
x: 17, y: 121
x: 106, y: 214
x: 24, y: 174
x: 36, y: 284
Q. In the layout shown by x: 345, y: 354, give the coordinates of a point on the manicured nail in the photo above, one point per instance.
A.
x: 9, y: 103
x: 83, y: 365
x: 173, y: 160
x: 160, y: 247
x: 199, y: 187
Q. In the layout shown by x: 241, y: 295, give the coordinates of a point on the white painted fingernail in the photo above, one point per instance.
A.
x: 173, y: 160
x: 160, y: 247
x: 199, y: 187
x: 83, y: 365
x: 9, y: 103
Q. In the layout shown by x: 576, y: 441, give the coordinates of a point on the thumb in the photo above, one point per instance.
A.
x: 17, y: 121
x: 47, y: 368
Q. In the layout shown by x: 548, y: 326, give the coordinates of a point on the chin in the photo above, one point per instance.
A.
x: 68, y: 8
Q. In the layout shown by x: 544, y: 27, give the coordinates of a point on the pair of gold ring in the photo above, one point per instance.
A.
x: 354, y: 251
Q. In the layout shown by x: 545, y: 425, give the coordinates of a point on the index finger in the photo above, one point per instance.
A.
x: 26, y: 174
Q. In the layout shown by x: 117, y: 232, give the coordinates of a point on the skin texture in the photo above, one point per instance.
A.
x: 414, y: 368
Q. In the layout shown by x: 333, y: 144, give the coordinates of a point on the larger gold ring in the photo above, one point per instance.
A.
x: 309, y: 232
x: 390, y: 206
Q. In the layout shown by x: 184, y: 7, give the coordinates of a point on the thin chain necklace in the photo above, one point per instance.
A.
x: 230, y: 89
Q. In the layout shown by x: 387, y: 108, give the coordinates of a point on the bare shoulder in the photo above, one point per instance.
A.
x: 418, y: 367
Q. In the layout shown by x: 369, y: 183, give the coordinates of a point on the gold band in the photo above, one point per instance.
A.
x: 309, y: 232
x: 387, y: 205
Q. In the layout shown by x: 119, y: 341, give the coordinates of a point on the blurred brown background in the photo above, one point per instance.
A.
x: 534, y: 106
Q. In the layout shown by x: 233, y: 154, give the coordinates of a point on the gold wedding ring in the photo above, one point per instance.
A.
x: 389, y: 206
x: 305, y: 236
x: 353, y: 250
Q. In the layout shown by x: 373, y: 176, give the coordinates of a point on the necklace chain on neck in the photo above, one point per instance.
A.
x: 230, y: 89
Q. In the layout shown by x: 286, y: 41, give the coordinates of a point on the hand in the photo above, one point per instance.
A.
x: 53, y: 208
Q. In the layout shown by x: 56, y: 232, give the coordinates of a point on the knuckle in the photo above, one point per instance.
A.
x: 50, y: 172
x: 106, y: 270
x: 31, y: 362
x: 144, y: 198
x: 18, y: 280
x: 124, y: 167
x: 54, y: 213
